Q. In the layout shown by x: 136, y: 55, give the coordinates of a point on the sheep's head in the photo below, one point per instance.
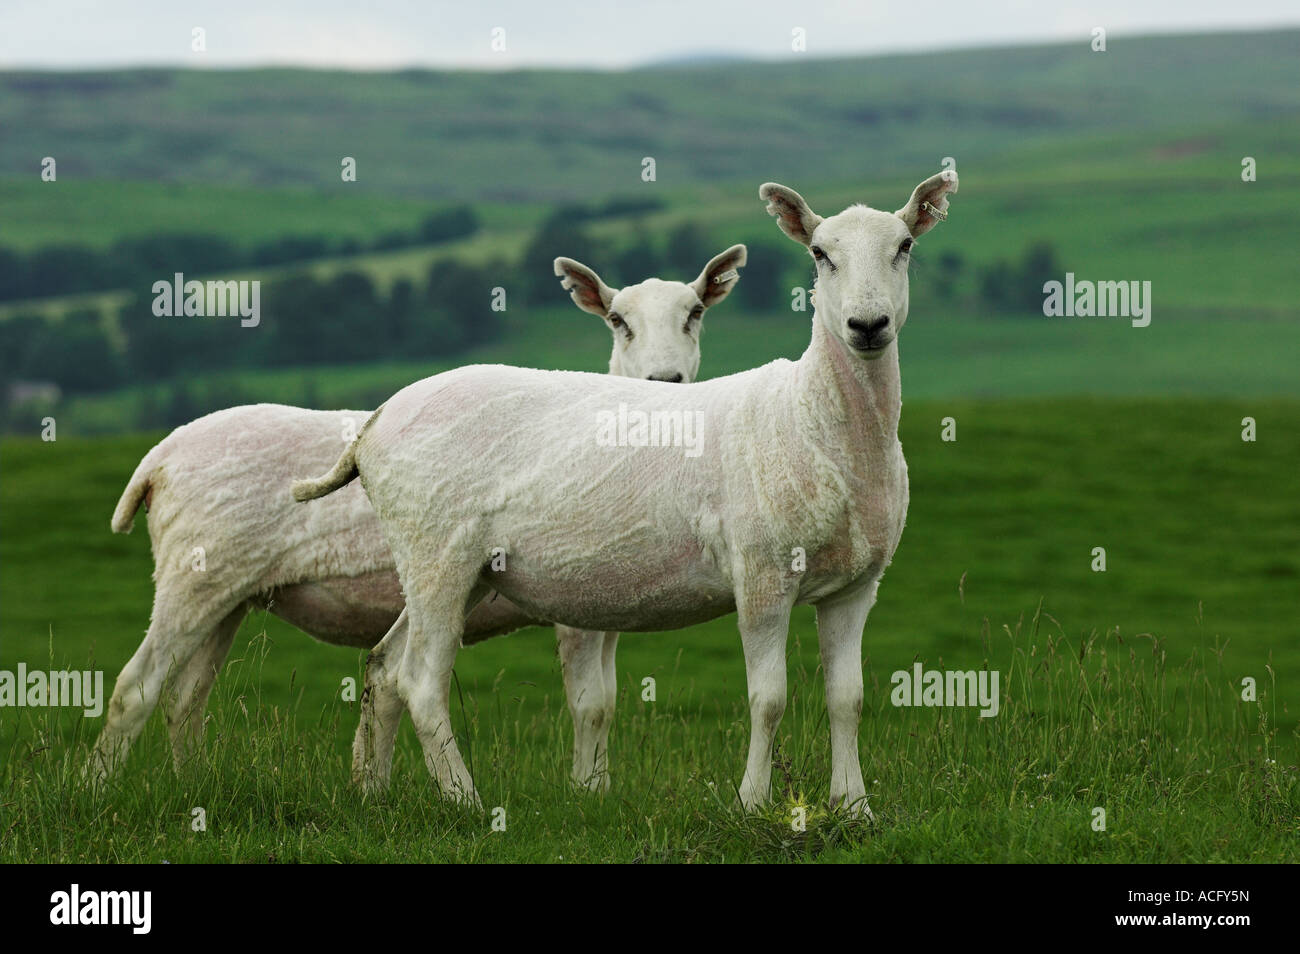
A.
x: 861, y: 257
x: 655, y: 324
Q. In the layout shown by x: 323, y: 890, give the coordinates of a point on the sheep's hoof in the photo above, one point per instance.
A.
x: 98, y: 768
x: 462, y: 797
x: 856, y: 808
x: 370, y: 783
x: 469, y: 800
x: 596, y: 783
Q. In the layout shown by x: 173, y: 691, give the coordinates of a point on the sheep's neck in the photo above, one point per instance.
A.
x: 862, y: 396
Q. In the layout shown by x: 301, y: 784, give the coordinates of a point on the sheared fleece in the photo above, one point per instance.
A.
x: 221, y: 483
x: 794, y: 455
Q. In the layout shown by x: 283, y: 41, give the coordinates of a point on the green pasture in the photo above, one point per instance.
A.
x: 1121, y: 689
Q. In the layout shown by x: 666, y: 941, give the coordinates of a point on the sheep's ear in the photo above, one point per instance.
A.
x: 720, y: 276
x: 791, y: 211
x: 929, y: 203
x: 585, y: 287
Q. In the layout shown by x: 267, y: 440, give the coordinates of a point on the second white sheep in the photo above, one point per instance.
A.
x: 227, y: 536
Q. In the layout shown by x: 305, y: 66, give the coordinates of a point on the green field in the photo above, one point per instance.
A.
x: 949, y: 357
x: 1224, y: 314
x: 1121, y: 689
x: 1224, y: 318
x: 1168, y: 207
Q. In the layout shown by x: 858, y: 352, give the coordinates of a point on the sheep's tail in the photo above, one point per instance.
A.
x: 344, y: 472
x: 138, y: 489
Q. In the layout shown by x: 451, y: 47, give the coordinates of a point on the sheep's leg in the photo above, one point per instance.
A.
x: 434, y: 629
x: 190, y: 687
x: 591, y: 704
x: 763, y: 631
x: 381, y: 712
x: 608, y: 650
x: 839, y: 632
x: 167, y: 647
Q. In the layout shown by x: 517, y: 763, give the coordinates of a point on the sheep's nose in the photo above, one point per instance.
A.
x: 671, y: 378
x: 869, y: 328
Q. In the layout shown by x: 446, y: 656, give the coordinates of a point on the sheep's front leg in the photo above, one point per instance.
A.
x: 381, y: 712
x: 763, y: 631
x: 840, y: 622
x: 587, y: 658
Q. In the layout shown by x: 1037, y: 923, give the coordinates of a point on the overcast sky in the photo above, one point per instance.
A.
x: 384, y: 34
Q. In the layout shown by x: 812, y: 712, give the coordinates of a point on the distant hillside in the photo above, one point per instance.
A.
x: 552, y: 135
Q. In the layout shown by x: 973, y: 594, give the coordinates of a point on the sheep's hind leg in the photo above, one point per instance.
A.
x: 381, y: 712
x: 585, y: 659
x: 436, y: 623
x: 189, y: 687
x: 839, y: 633
x: 167, y: 647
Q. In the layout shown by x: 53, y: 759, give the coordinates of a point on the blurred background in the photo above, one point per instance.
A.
x: 1116, y: 165
x: 476, y: 166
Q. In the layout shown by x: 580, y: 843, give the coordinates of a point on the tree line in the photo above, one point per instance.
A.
x: 69, y: 269
x: 347, y: 317
x: 306, y: 319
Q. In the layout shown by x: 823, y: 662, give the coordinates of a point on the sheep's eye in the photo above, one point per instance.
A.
x: 695, y: 314
x: 905, y: 247
x: 820, y: 256
x: 618, y: 324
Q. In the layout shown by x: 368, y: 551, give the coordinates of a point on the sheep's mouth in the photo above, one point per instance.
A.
x: 872, y: 348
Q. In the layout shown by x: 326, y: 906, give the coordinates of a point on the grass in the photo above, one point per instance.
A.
x: 1120, y: 690
x: 1183, y: 770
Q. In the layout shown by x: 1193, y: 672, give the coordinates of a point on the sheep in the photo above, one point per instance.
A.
x: 800, y: 499
x: 222, y: 544
x: 587, y: 657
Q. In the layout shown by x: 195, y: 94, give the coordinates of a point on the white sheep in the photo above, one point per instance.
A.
x: 798, y: 496
x: 587, y: 656
x: 224, y: 540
